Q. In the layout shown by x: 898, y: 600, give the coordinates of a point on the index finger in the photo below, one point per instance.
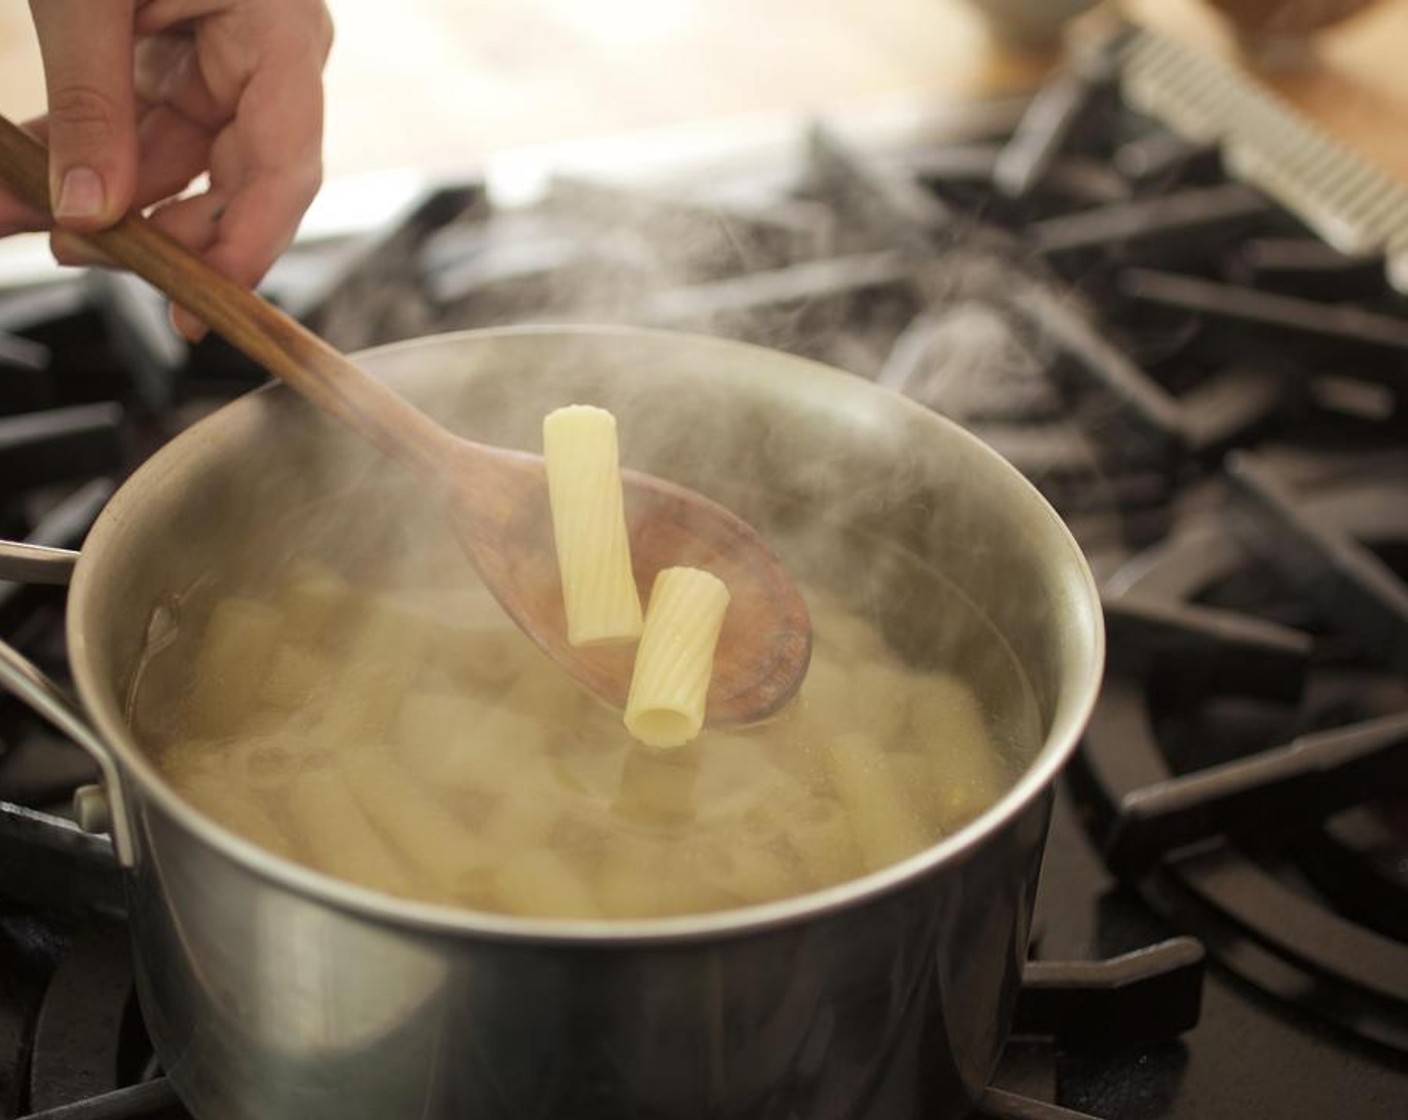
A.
x: 268, y: 163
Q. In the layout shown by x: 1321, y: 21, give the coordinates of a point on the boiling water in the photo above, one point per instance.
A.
x: 385, y: 724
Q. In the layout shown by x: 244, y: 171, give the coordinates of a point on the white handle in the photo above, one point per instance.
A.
x: 31, y: 563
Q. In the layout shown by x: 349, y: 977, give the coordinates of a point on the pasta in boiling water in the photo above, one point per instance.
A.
x: 340, y: 838
x: 314, y: 599
x: 439, y: 846
x: 965, y: 774
x: 392, y: 756
x: 540, y: 883
x: 232, y: 661
x: 860, y: 773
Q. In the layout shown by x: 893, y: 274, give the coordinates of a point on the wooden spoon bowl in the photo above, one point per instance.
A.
x: 497, y: 498
x: 765, y: 644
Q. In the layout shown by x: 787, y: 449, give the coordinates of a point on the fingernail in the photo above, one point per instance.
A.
x: 80, y: 194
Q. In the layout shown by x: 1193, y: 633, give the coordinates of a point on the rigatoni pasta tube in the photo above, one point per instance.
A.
x: 236, y: 810
x: 967, y: 768
x: 821, y: 834
x: 665, y: 705
x: 339, y: 838
x: 434, y: 841
x: 231, y: 664
x: 314, y: 600
x: 885, y: 828
x: 543, y: 884
x: 589, y: 525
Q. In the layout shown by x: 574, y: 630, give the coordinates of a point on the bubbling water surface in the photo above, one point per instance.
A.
x: 376, y: 717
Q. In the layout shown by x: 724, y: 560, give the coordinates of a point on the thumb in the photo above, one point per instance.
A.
x: 87, y: 51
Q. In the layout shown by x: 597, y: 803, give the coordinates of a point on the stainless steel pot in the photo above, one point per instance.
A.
x: 272, y: 991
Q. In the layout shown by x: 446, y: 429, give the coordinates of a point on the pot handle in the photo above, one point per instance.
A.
x: 97, y: 811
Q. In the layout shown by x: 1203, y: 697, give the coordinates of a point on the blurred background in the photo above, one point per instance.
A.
x: 440, y: 84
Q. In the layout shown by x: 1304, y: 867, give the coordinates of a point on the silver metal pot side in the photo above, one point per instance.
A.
x: 275, y: 992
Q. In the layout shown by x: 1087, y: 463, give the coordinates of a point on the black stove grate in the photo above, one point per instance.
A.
x: 1175, y: 776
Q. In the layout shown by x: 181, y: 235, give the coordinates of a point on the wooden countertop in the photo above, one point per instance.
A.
x: 1357, y: 87
x: 443, y: 83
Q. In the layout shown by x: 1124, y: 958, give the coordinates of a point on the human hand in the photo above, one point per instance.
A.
x: 147, y: 95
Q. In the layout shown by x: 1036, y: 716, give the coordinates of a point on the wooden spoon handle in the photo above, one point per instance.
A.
x: 252, y: 325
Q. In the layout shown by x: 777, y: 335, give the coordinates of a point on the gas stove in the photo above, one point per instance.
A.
x: 1215, y: 399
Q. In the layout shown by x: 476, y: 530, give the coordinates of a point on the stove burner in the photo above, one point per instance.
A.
x: 1302, y: 266
x: 1342, y: 577
x: 1149, y: 995
x: 39, y: 448
x: 1377, y: 341
x: 1262, y: 796
x: 79, y: 1035
x: 1158, y: 225
x: 1065, y: 111
x: 1246, y: 899
x: 1154, y: 414
x: 150, y: 1100
x: 998, y: 1104
x: 1357, y: 860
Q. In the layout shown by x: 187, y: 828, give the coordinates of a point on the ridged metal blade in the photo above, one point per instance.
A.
x: 1355, y: 207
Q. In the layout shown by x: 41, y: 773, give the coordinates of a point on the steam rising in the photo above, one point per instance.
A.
x: 941, y: 563
x: 839, y: 268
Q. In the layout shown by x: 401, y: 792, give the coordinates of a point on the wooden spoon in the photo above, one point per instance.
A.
x: 497, y: 497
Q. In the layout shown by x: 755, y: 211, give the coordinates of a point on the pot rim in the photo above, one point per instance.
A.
x: 1070, y: 718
